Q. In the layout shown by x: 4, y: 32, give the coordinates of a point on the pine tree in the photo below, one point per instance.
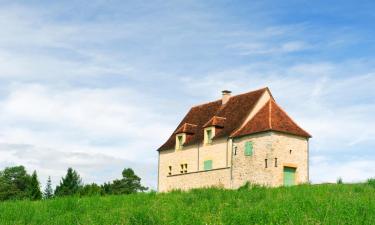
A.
x: 70, y: 184
x: 130, y: 183
x: 35, y: 193
x: 48, y: 191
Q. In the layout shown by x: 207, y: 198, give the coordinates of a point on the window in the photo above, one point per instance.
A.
x: 235, y: 150
x: 275, y: 162
x: 180, y: 140
x: 208, y: 165
x: 170, y: 170
x: 290, y: 151
x: 183, y: 168
x: 209, y: 136
x: 248, y: 148
x: 265, y: 163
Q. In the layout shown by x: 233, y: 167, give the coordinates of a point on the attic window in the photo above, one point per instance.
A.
x: 209, y: 136
x: 180, y: 141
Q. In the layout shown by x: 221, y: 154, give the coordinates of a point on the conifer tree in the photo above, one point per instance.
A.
x: 35, y: 193
x: 48, y: 191
x: 70, y: 184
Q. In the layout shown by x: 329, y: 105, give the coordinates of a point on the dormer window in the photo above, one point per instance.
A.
x: 209, y: 134
x: 180, y: 140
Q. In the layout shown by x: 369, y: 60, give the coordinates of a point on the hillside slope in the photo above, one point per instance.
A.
x: 306, y: 204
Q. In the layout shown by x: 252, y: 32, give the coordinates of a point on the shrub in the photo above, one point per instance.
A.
x: 371, y: 182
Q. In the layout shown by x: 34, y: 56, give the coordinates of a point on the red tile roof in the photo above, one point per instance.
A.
x: 271, y: 118
x: 215, y: 121
x: 186, y: 128
x: 229, y: 117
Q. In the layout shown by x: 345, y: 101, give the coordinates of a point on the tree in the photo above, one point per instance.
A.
x: 91, y: 190
x: 48, y: 191
x: 14, y: 183
x: 70, y: 184
x: 130, y: 183
x: 35, y: 193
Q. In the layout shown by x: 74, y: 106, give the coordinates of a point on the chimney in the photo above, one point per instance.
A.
x: 226, y: 96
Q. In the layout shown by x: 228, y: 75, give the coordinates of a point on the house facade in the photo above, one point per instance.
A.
x: 234, y: 140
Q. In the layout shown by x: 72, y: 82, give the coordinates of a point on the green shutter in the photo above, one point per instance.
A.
x: 289, y: 176
x: 249, y: 148
x: 208, y: 165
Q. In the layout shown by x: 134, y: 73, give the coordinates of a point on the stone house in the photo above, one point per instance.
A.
x: 231, y: 141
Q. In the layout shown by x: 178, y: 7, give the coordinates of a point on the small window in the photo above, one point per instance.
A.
x: 265, y: 163
x: 209, y: 136
x: 182, y: 168
x: 275, y: 162
x: 208, y: 165
x: 185, y: 170
x: 170, y: 170
x: 290, y: 151
x: 235, y: 150
x: 248, y: 148
x: 180, y: 142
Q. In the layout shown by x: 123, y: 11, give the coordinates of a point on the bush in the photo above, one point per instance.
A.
x: 371, y: 182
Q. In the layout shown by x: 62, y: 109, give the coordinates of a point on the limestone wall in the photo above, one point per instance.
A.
x: 194, y: 156
x: 269, y: 145
x: 211, y: 178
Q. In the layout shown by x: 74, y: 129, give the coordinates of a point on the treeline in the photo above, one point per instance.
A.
x: 17, y: 184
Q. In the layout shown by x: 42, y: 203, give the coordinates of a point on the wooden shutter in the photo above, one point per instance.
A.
x: 208, y: 165
x: 248, y: 148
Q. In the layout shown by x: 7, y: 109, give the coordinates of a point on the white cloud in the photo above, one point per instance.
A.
x: 89, y: 129
x: 351, y: 170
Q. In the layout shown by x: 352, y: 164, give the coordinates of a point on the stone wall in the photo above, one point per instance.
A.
x: 211, y: 178
x: 194, y: 156
x: 269, y: 145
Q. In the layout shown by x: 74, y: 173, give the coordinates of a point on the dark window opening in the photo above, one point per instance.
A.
x: 290, y: 151
x: 275, y: 162
x: 265, y: 163
x: 170, y: 170
x: 235, y: 150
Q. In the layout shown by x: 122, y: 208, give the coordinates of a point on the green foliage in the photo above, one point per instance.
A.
x: 371, y: 182
x: 35, y: 193
x: 91, y: 190
x: 130, y: 183
x: 15, y: 183
x: 304, y: 204
x: 48, y: 191
x: 70, y: 184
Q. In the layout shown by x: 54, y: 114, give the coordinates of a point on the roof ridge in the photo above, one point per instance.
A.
x: 203, y: 104
x: 234, y: 96
x: 286, y: 114
x: 269, y: 114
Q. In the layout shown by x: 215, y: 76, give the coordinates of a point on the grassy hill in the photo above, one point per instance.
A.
x: 305, y: 204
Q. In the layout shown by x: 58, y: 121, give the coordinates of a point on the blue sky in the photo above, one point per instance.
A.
x: 99, y: 85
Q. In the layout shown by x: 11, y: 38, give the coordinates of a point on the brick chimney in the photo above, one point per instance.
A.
x: 226, y: 96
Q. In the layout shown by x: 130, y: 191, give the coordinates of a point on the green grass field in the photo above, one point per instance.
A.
x: 305, y: 204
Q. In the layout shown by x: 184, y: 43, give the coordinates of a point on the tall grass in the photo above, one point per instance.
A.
x: 305, y: 204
